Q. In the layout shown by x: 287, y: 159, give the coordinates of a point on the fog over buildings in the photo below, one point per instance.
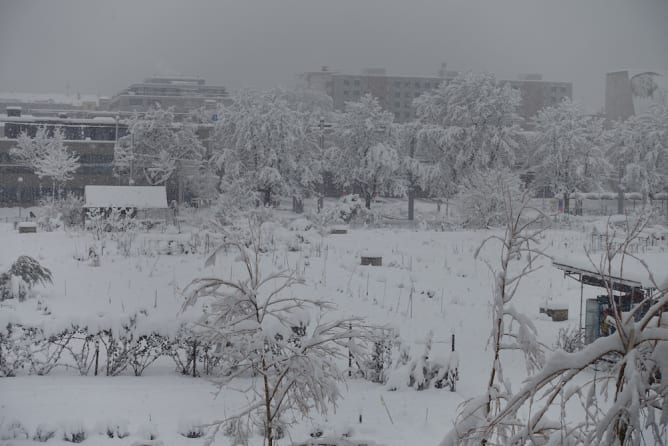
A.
x: 101, y: 47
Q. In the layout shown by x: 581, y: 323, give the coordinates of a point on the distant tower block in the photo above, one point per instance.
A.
x: 618, y: 96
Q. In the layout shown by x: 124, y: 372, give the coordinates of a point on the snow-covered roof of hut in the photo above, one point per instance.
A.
x: 650, y: 273
x: 141, y: 197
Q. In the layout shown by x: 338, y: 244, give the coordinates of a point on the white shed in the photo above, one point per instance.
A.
x: 138, y: 201
x: 138, y: 197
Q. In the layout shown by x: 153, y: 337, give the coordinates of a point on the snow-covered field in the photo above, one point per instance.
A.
x: 429, y: 281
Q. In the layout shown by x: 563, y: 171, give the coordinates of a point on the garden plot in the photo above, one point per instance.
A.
x: 429, y: 286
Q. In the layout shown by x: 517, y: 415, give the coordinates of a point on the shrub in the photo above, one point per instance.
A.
x: 570, y: 339
x: 114, y: 428
x: 190, y: 429
x: 24, y: 273
x: 74, y: 432
x: 148, y: 431
x: 44, y: 432
x: 14, y: 430
x: 14, y: 350
x: 481, y: 197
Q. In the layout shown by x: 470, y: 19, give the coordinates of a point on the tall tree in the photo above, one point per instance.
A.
x: 470, y: 123
x: 568, y: 153
x: 420, y: 172
x: 156, y: 147
x: 265, y: 147
x: 364, y: 156
x: 47, y: 156
x: 639, y: 146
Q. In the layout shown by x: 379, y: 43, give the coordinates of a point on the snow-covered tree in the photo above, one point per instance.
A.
x: 287, y: 343
x: 640, y: 146
x: 511, y: 329
x: 417, y: 169
x: 156, y: 147
x: 625, y: 405
x: 47, y: 156
x: 265, y: 147
x: 469, y: 123
x: 364, y: 156
x: 482, y: 196
x: 569, y: 155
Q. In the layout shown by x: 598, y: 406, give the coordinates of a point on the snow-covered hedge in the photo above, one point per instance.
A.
x: 133, y: 344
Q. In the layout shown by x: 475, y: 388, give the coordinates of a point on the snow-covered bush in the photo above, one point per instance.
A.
x: 44, y: 432
x: 378, y: 367
x: 74, y: 431
x: 191, y: 428
x: 146, y: 350
x: 148, y: 431
x: 67, y: 211
x: 348, y: 209
x: 14, y: 430
x: 117, y: 428
x: 186, y: 345
x: 481, y: 197
x: 126, y: 346
x: 46, y: 351
x: 423, y: 371
x: 570, y: 339
x: 23, y: 275
x: 14, y: 350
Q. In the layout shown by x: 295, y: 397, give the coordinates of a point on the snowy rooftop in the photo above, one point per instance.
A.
x: 47, y: 98
x: 630, y: 272
x: 142, y: 197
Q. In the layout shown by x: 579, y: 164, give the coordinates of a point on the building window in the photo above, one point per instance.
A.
x: 417, y: 94
x: 417, y: 84
x: 346, y: 93
x: 407, y: 84
x: 356, y: 81
x: 397, y: 104
x: 356, y: 93
x: 397, y: 94
x: 346, y: 82
x: 407, y: 115
x: 397, y: 83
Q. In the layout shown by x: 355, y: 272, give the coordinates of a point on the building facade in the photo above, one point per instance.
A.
x: 184, y: 94
x: 396, y: 93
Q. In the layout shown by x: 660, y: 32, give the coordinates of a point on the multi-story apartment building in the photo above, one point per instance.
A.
x: 396, y: 93
x: 92, y: 139
x: 184, y: 94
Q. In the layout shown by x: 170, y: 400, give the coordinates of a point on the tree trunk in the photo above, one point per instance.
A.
x: 411, y: 204
x: 297, y: 205
x: 367, y: 200
x: 269, y: 434
x: 267, y: 197
x: 566, y: 203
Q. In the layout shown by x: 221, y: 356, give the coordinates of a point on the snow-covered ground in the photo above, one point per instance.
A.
x: 429, y: 281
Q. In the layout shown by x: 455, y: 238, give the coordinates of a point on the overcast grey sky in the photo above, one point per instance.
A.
x: 99, y: 47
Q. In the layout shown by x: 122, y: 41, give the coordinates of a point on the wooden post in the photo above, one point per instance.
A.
x: 350, y: 354
x: 194, y: 359
x: 97, y: 354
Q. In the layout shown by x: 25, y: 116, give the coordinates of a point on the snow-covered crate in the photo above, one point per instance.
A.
x: 26, y: 227
x: 557, y: 310
x: 339, y: 229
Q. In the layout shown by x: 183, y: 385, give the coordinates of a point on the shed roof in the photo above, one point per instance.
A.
x: 142, y: 197
x: 629, y: 273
